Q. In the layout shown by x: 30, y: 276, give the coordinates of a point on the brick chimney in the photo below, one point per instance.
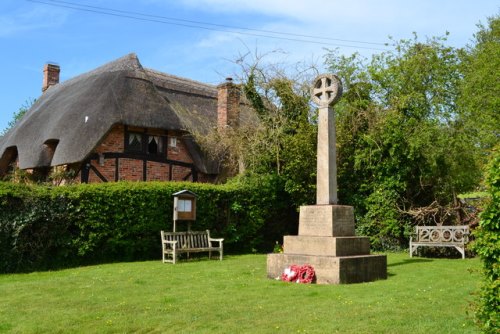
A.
x: 228, y: 104
x: 50, y: 75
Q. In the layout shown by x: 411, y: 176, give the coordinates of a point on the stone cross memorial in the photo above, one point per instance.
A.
x: 326, y: 91
x: 326, y: 237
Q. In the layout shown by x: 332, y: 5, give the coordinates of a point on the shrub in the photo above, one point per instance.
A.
x: 487, y: 246
x: 43, y: 227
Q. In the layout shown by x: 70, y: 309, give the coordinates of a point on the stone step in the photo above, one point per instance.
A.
x: 332, y: 269
x: 329, y: 246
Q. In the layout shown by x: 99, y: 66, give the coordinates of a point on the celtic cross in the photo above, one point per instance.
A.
x: 326, y: 90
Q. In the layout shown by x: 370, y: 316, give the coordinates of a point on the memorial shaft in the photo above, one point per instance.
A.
x: 326, y: 178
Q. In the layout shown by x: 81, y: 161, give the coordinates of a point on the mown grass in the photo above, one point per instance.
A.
x: 421, y: 295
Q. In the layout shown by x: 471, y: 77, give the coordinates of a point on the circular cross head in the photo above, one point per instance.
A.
x: 326, y: 90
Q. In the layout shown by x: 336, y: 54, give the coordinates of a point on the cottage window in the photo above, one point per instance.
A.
x: 172, y: 141
x: 144, y: 143
x: 134, y: 142
x: 155, y: 145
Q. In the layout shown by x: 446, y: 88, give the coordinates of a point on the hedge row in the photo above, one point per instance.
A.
x: 43, y: 227
x: 487, y: 246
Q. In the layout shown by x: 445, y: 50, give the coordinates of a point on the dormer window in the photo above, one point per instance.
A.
x: 172, y: 141
x: 155, y: 145
x: 136, y: 142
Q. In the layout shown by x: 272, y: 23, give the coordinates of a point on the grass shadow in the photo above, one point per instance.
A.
x: 408, y: 261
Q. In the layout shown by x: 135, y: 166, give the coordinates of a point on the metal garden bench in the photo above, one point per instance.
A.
x: 440, y: 236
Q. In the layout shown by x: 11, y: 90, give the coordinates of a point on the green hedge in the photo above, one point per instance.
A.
x: 487, y: 246
x: 44, y: 227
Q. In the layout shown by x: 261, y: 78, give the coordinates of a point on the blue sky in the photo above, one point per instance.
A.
x: 34, y: 32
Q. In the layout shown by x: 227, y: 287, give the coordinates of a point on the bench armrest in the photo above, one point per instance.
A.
x: 210, y: 240
x: 172, y: 243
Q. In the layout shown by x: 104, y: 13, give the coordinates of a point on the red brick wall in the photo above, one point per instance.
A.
x: 130, y: 170
x: 180, y: 152
x: 114, y: 142
x: 157, y: 171
x: 180, y: 173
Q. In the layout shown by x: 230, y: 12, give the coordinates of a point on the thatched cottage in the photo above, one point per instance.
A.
x: 121, y: 122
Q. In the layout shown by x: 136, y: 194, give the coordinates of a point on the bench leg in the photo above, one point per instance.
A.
x: 462, y: 251
x: 413, y: 248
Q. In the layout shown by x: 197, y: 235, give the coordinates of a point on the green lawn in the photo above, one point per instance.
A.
x: 421, y: 295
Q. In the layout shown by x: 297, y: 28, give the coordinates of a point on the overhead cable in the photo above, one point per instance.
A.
x: 206, y: 25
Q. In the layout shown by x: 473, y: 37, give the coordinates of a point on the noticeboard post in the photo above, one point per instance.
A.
x: 184, y: 207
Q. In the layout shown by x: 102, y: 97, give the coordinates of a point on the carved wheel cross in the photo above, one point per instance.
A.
x: 327, y: 90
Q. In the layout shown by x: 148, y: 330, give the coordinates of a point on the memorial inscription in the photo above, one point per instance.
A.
x: 326, y: 220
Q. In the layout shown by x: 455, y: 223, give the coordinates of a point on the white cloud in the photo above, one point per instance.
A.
x: 36, y: 18
x: 304, y: 11
x: 367, y: 20
x: 216, y: 39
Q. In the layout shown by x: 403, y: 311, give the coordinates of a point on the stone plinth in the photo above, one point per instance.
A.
x: 332, y: 269
x: 328, y: 246
x: 327, y: 241
x: 326, y: 220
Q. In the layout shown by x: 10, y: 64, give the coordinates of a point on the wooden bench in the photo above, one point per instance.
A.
x: 175, y: 243
x: 440, y: 236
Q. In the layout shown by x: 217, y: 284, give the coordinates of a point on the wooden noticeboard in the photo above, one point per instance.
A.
x: 184, y: 206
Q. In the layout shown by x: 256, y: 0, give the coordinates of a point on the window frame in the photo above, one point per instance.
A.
x: 145, y: 141
x: 129, y: 147
x: 172, y: 141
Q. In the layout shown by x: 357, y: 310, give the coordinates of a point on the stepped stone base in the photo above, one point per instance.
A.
x: 328, y: 246
x: 327, y: 242
x: 332, y: 269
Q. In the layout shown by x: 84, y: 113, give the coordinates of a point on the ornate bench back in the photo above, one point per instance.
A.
x: 458, y: 234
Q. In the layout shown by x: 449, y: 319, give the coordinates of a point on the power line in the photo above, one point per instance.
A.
x: 212, y: 24
x: 199, y: 24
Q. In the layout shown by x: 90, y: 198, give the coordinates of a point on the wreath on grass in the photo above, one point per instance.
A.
x: 299, y: 274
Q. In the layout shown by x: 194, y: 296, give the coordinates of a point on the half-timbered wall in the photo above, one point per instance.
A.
x: 113, y: 162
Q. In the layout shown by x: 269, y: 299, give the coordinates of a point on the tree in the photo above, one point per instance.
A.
x: 283, y: 139
x: 19, y: 114
x: 480, y: 87
x: 401, y: 144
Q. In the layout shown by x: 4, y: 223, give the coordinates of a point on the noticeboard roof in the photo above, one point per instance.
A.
x: 184, y: 192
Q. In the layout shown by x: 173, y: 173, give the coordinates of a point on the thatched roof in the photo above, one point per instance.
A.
x: 78, y: 113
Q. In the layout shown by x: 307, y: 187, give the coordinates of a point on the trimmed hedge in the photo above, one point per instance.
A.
x: 43, y: 227
x: 487, y: 246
